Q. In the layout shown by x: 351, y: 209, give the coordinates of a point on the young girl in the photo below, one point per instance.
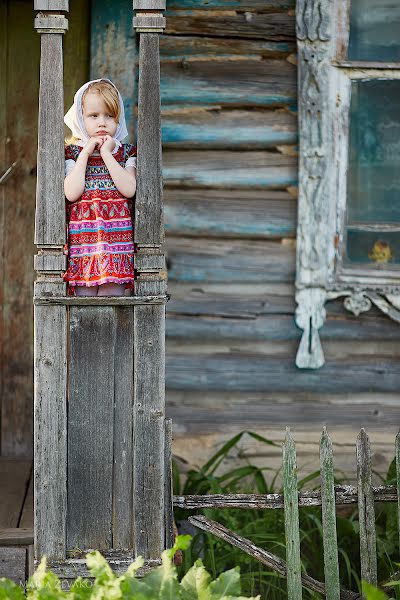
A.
x: 100, y: 179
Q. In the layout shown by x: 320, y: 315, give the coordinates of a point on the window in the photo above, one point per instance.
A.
x: 348, y: 241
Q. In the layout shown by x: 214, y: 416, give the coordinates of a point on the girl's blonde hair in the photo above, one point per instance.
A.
x: 108, y: 94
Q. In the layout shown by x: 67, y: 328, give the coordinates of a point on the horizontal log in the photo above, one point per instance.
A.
x: 260, y: 5
x: 229, y: 261
x: 219, y: 213
x: 100, y: 300
x: 225, y: 82
x: 173, y: 47
x: 277, y: 27
x: 252, y: 372
x: 276, y: 328
x: 16, y: 536
x: 73, y: 568
x: 236, y: 129
x: 344, y: 494
x: 215, y: 169
x: 229, y: 301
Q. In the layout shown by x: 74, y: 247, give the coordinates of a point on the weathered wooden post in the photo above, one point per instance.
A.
x: 50, y: 344
x: 149, y: 349
x: 102, y: 472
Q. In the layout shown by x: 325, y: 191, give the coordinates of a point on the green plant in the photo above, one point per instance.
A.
x: 159, y: 584
x: 266, y: 527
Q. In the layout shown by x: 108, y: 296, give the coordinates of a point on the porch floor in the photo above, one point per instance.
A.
x: 16, y: 518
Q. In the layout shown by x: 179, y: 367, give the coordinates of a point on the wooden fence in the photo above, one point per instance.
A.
x: 329, y: 496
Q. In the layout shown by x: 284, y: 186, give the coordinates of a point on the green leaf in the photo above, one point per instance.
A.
x: 372, y: 593
x: 195, y: 584
x: 10, y: 590
x: 227, y: 584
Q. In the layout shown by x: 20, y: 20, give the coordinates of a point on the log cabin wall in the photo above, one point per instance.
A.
x: 229, y: 127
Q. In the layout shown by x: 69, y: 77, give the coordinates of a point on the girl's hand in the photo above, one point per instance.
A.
x: 108, y: 145
x: 92, y: 144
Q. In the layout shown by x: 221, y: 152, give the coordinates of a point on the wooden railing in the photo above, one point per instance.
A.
x: 329, y: 497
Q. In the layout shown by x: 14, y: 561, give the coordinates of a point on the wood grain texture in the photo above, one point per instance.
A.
x: 229, y: 170
x: 50, y: 451
x: 149, y: 409
x: 50, y: 202
x: 366, y: 511
x: 220, y: 213
x: 254, y: 373
x: 278, y: 26
x: 194, y: 47
x: 229, y: 83
x: 3, y: 161
x: 149, y: 227
x: 331, y: 561
x: 90, y: 427
x: 397, y: 455
x: 229, y: 260
x: 14, y: 481
x: 291, y: 511
x: 13, y: 564
x: 264, y: 5
x: 236, y: 129
x: 123, y: 429
x: 168, y: 503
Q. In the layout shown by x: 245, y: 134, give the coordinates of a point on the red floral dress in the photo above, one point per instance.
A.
x: 100, y: 230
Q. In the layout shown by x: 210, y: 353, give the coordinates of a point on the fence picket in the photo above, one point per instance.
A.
x: 397, y: 452
x: 366, y: 510
x: 331, y: 561
x: 291, y: 510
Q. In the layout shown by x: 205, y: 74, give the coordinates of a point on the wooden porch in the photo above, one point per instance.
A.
x: 16, y: 518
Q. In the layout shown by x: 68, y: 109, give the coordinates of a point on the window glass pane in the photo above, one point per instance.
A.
x: 374, y: 30
x: 379, y: 248
x: 373, y: 184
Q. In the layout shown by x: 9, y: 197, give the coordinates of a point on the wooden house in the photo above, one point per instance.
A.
x: 234, y: 116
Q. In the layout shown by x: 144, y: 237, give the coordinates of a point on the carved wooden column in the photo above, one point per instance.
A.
x: 50, y: 344
x: 315, y: 246
x: 149, y: 345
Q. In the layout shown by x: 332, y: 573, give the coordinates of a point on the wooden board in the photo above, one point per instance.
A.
x: 229, y: 261
x: 194, y: 47
x: 14, y: 481
x: 213, y: 169
x: 264, y: 5
x: 227, y: 83
x: 277, y: 27
x: 236, y: 129
x: 90, y: 427
x: 258, y: 214
x: 13, y: 564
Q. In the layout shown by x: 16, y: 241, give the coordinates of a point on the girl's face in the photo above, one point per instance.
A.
x: 96, y: 116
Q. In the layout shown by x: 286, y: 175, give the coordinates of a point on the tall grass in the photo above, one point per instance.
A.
x: 266, y: 527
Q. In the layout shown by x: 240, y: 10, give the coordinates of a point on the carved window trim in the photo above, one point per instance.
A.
x: 325, y: 77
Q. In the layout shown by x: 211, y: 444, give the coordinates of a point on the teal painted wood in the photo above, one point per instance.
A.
x: 397, y: 450
x: 251, y: 214
x: 215, y: 169
x: 240, y: 371
x: 113, y: 52
x: 366, y: 510
x: 187, y: 47
x: 229, y: 261
x: 229, y: 129
x: 243, y: 83
x: 291, y: 510
x: 265, y: 5
x: 331, y: 562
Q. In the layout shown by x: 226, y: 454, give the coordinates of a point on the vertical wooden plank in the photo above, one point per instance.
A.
x: 50, y: 449
x: 331, y: 562
x: 3, y: 163
x: 90, y: 427
x: 397, y: 451
x: 149, y: 226
x: 123, y: 429
x: 149, y: 393
x: 169, y: 509
x: 76, y: 51
x: 366, y: 510
x: 291, y: 509
x: 50, y: 200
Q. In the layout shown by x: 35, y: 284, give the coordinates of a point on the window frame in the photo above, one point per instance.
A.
x: 322, y: 274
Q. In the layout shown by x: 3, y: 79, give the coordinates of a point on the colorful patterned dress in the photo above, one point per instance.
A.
x: 100, y: 231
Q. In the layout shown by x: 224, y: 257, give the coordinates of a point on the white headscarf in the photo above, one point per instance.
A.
x: 74, y: 117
